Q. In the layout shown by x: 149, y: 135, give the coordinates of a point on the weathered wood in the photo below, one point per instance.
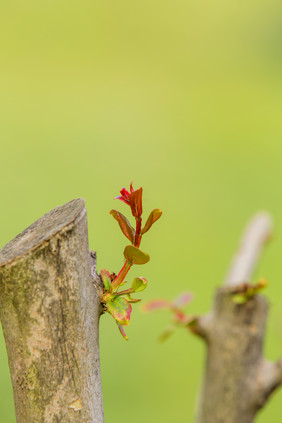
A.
x: 49, y: 310
x: 237, y: 380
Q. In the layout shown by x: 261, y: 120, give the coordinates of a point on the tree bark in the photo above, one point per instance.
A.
x: 49, y: 310
x: 238, y: 380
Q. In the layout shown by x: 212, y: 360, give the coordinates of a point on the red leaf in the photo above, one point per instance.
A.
x: 135, y: 199
x: 156, y: 305
x: 124, y: 196
x: 124, y: 224
x: 183, y: 299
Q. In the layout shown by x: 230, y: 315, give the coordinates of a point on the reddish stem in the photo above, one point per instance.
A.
x: 125, y: 292
x: 120, y: 277
x: 138, y: 235
x: 127, y: 265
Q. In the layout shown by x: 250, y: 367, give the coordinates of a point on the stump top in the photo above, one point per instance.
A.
x: 42, y: 230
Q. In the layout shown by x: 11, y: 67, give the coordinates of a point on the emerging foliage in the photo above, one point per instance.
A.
x: 179, y: 317
x: 242, y: 293
x: 115, y: 302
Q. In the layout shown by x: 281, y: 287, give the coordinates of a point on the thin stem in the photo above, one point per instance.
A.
x: 120, y: 277
x: 138, y: 235
x: 125, y: 292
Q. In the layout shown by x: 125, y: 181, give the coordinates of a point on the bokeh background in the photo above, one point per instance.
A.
x: 182, y: 97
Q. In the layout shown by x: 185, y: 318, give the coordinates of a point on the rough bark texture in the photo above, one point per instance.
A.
x: 237, y: 380
x: 49, y: 310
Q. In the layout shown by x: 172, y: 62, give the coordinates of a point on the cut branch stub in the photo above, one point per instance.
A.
x: 49, y: 310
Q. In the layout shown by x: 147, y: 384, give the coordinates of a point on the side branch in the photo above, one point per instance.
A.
x: 257, y: 233
x: 269, y: 379
x: 201, y: 326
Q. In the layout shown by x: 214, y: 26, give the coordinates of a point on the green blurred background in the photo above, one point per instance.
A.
x: 182, y: 97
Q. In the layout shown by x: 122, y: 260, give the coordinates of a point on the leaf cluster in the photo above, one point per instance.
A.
x: 118, y: 303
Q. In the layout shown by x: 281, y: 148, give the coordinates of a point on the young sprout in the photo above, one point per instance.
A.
x: 118, y: 303
x: 244, y: 292
x: 240, y: 295
x: 179, y: 318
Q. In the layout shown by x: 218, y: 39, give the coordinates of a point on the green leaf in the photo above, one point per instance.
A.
x: 262, y: 284
x: 106, y: 278
x: 139, y: 284
x: 120, y: 309
x: 192, y: 322
x: 132, y: 300
x: 239, y: 299
x: 249, y: 291
x: 167, y: 333
x: 124, y: 224
x: 154, y: 216
x: 135, y: 256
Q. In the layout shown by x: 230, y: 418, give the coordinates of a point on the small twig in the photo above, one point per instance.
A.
x: 201, y: 325
x: 270, y: 379
x: 256, y: 234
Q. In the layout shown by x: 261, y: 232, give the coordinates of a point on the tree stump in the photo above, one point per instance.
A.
x: 49, y: 310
